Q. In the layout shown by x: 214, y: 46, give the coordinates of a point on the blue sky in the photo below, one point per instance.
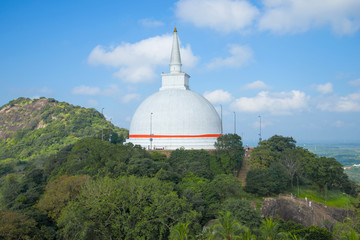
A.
x: 294, y: 62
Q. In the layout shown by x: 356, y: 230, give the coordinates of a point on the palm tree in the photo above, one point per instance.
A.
x: 270, y: 230
x: 180, y: 232
x: 227, y: 227
x: 352, y: 235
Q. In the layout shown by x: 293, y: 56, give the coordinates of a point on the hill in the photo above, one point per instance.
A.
x: 32, y: 129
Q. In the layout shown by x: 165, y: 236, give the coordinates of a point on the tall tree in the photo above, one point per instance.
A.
x: 230, y: 152
x: 59, y: 192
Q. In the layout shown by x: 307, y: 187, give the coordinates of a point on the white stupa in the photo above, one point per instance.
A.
x: 175, y: 116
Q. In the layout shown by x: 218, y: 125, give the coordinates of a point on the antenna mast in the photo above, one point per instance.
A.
x: 234, y: 123
x: 260, y: 139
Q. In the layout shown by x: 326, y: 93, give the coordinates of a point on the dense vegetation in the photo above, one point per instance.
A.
x: 95, y: 187
x: 279, y: 160
x: 33, y: 129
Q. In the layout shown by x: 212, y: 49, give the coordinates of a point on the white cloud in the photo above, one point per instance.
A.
x: 256, y: 85
x: 293, y: 16
x: 275, y: 103
x: 221, y: 15
x: 218, y: 96
x: 240, y: 56
x: 130, y: 97
x: 355, y: 83
x: 136, y: 74
x: 146, y: 22
x: 85, y: 90
x: 137, y: 61
x: 91, y: 91
x: 349, y: 103
x: 324, y: 88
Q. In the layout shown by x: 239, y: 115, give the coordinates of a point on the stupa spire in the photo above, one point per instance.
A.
x: 175, y: 60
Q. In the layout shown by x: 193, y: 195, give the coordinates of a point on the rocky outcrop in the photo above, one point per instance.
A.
x: 298, y: 210
x: 21, y: 114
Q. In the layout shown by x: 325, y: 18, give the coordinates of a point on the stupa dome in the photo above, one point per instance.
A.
x: 175, y: 116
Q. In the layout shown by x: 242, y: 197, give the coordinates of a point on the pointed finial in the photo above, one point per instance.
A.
x: 175, y: 59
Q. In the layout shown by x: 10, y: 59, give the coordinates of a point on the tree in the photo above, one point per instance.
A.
x: 279, y: 143
x: 59, y: 192
x: 191, y: 161
x: 180, y: 232
x: 270, y: 230
x: 258, y: 182
x: 278, y: 177
x: 230, y: 152
x: 267, y: 181
x: 269, y: 151
x: 94, y: 157
x: 11, y: 190
x: 226, y: 227
x: 16, y: 226
x: 318, y: 233
x: 226, y: 186
x: 325, y: 170
x: 124, y: 208
x: 290, y: 159
x: 243, y: 212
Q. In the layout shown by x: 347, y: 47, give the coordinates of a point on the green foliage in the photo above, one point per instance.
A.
x: 295, y: 229
x: 346, y: 230
x: 124, y: 208
x: 59, y: 192
x: 327, y: 171
x: 270, y: 229
x: 38, y: 128
x: 267, y: 181
x: 16, y: 226
x: 94, y: 157
x: 280, y: 153
x: 206, y: 196
x: 226, y: 186
x: 191, y: 161
x: 230, y: 152
x: 243, y: 212
x: 225, y: 227
x: 335, y: 198
x: 21, y: 193
x: 180, y: 232
x: 318, y: 233
x: 269, y: 151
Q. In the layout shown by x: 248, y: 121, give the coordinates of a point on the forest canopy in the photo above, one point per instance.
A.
x: 66, y: 174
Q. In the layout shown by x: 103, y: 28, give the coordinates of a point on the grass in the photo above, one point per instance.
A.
x: 334, y: 198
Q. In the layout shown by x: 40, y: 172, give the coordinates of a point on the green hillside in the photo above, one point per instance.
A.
x: 32, y: 129
x: 61, y: 178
